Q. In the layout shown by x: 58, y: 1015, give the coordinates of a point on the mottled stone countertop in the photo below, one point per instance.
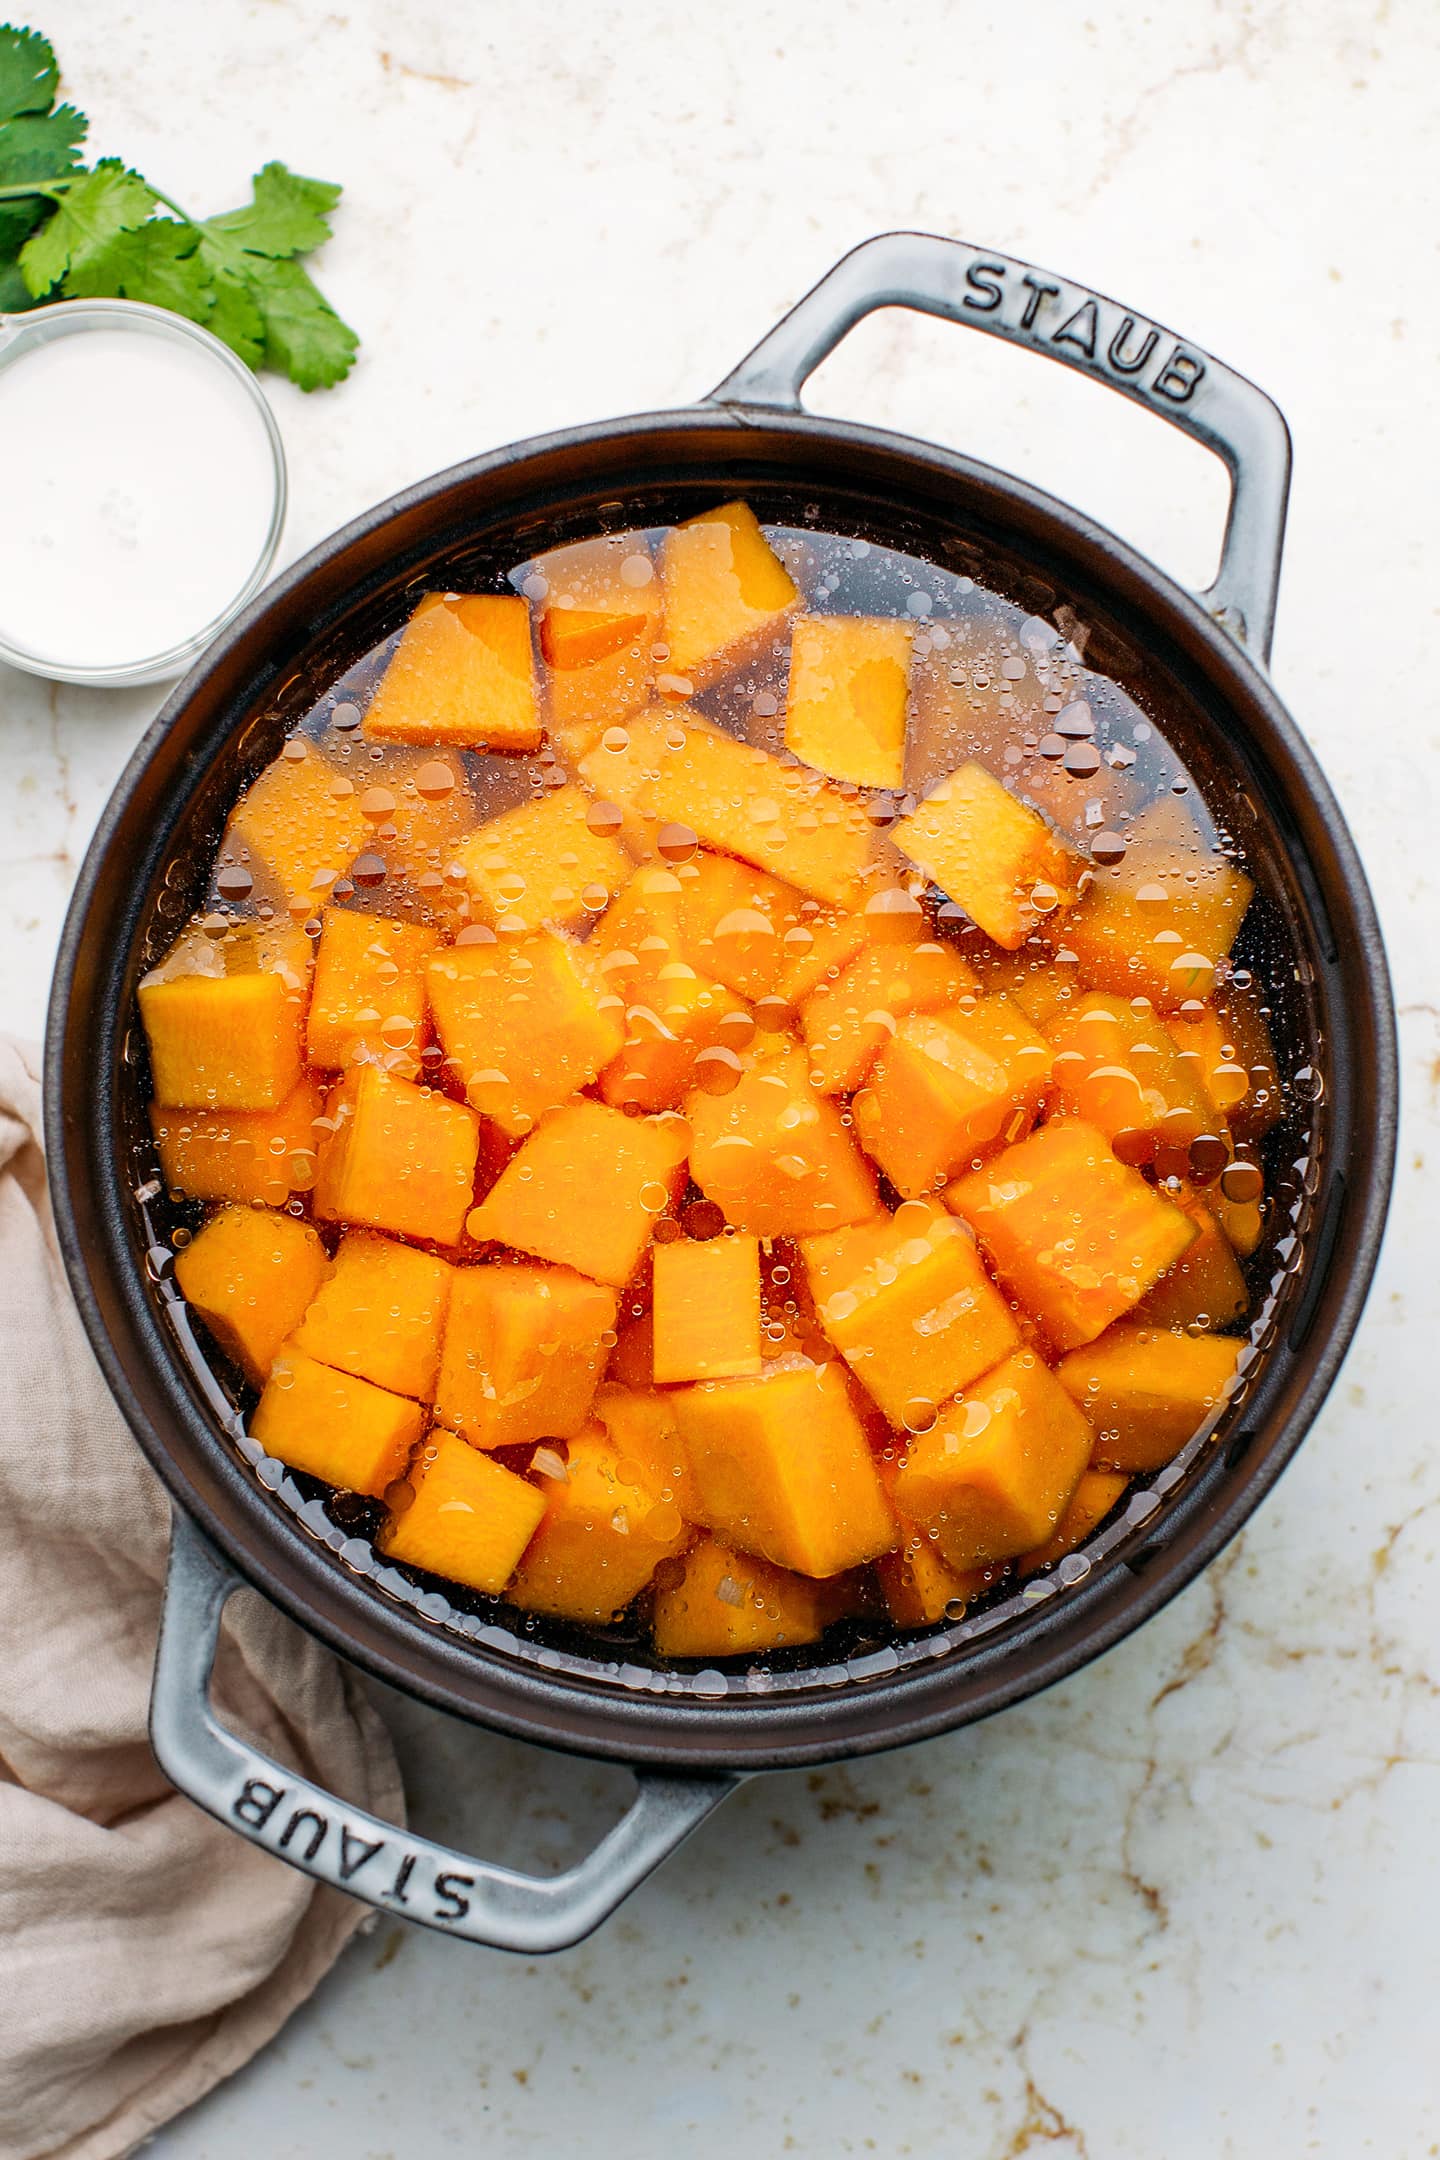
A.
x: 1184, y: 1905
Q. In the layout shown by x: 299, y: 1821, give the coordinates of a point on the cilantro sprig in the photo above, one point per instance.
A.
x: 74, y: 232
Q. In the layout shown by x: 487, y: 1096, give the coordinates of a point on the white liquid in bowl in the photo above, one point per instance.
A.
x: 139, y: 489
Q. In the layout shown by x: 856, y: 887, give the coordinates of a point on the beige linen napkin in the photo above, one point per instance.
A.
x: 145, y: 1952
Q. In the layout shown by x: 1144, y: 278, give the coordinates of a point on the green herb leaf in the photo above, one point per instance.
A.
x: 40, y: 146
x: 304, y: 337
x: 29, y: 77
x: 237, y: 321
x: 157, y: 262
x: 287, y: 215
x: 15, y: 294
x: 99, y: 204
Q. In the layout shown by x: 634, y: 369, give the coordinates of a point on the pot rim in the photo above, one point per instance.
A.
x: 805, y: 1728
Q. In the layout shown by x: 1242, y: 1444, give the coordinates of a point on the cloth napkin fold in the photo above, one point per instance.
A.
x: 145, y: 1952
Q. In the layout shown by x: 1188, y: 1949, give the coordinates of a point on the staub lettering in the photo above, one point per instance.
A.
x: 1079, y: 324
x: 339, y: 1852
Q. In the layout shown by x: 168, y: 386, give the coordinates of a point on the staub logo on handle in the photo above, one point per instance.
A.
x: 1081, y: 324
x: 301, y: 1834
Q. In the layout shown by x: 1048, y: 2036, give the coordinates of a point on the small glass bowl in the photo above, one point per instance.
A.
x: 22, y: 334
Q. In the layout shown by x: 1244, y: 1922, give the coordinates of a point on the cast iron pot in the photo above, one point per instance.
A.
x: 226, y: 720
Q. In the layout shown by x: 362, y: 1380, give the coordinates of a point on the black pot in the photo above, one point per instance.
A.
x: 750, y: 436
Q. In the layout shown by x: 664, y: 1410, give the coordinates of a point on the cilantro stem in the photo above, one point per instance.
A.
x: 53, y: 188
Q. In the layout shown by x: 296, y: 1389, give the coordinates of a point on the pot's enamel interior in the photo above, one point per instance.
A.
x: 466, y: 531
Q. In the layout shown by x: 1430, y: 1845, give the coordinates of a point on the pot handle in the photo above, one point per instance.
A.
x: 411, y: 1877
x: 1053, y: 315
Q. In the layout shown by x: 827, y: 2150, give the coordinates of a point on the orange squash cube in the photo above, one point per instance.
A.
x: 640, y: 1424
x: 732, y: 921
x: 228, y: 1042
x: 1043, y: 981
x: 604, y: 1532
x: 991, y: 854
x: 333, y: 1426
x: 1158, y: 924
x: 542, y: 863
x: 996, y: 1471
x: 599, y: 621
x: 707, y: 1308
x: 523, y: 1353
x: 1074, y: 1234
x: 1117, y: 1067
x: 368, y: 999
x: 918, y: 1584
x: 297, y: 826
x: 578, y: 637
x: 420, y: 810
x: 845, y: 708
x: 586, y: 1188
x: 948, y: 1087
x: 724, y: 590
x: 847, y: 1023
x: 462, y: 675
x: 779, y: 1465
x: 724, y: 1603
x: 671, y: 1021
x: 1147, y: 1391
x: 1204, y: 1288
x: 470, y: 1519
x: 524, y: 1023
x: 398, y: 1158
x: 907, y: 1303
x: 255, y: 1156
x: 380, y: 1314
x: 249, y: 1274
x: 774, y: 1155
x: 1207, y: 1057
x: 1093, y: 1498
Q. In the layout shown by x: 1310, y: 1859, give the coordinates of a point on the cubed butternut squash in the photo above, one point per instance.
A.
x: 524, y: 1023
x: 707, y: 1308
x: 848, y: 1023
x: 917, y: 1582
x: 586, y: 1188
x: 725, y: 1603
x: 1117, y: 1067
x: 1043, y: 980
x: 1207, y: 1057
x: 996, y: 1471
x: 599, y: 621
x: 1093, y: 1498
x: 724, y: 590
x: 297, y: 826
x: 255, y: 1156
x: 420, y: 809
x: 249, y: 1274
x: 948, y: 1087
x: 991, y: 854
x: 733, y: 920
x: 230, y: 1042
x: 333, y: 1426
x: 397, y: 1157
x: 368, y: 997
x: 606, y: 1528
x: 907, y: 1303
x: 469, y: 1519
x: 779, y: 1465
x: 542, y: 862
x: 845, y: 707
x: 1204, y: 1288
x: 1075, y: 1235
x: 641, y: 1426
x: 1159, y: 923
x: 673, y: 1018
x: 462, y: 676
x: 380, y: 1314
x: 524, y: 1348
x: 774, y: 1154
x: 1147, y: 1391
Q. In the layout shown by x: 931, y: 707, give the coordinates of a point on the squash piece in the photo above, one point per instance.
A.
x: 523, y: 1353
x: 524, y: 1023
x: 249, y: 1274
x: 298, y: 825
x: 948, y: 1087
x: 586, y: 1189
x: 542, y: 863
x: 469, y: 1520
x: 998, y: 1468
x: 847, y: 1023
x: 229, y: 1042
x: 779, y: 1465
x: 578, y: 637
x: 724, y: 589
x: 1147, y: 1391
x: 380, y: 1314
x: 259, y: 1156
x: 1042, y: 980
x: 724, y: 1603
x: 398, y: 1158
x: 707, y: 1308
x: 599, y: 622
x: 462, y: 675
x: 907, y: 1303
x: 640, y: 1423
x: 1207, y: 1057
x: 1117, y: 1067
x: 1075, y: 1235
x: 676, y: 768
x: 991, y: 854
x: 672, y: 1021
x: 1159, y: 923
x: 1204, y: 1288
x: 774, y: 1155
x: 918, y: 1584
x: 333, y: 1426
x: 368, y: 999
x: 420, y: 809
x: 845, y: 707
x: 1092, y: 1500
x: 605, y: 1530
x: 732, y: 921
x: 632, y: 1361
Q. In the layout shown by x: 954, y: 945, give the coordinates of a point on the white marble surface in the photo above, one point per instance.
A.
x: 1184, y: 1905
